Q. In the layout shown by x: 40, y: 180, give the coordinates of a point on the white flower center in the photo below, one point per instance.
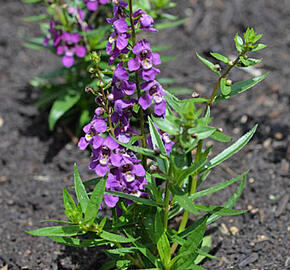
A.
x: 130, y: 177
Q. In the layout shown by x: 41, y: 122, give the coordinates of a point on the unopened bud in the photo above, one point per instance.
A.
x: 195, y: 95
x: 88, y: 89
x: 194, y: 135
x: 229, y: 82
x: 91, y: 70
x: 99, y: 111
x: 231, y: 62
x: 157, y: 151
x: 220, y: 129
x: 153, y: 167
x: 217, y: 67
x: 110, y: 97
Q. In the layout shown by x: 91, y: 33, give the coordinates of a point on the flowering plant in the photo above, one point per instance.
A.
x: 76, y: 28
x: 147, y: 150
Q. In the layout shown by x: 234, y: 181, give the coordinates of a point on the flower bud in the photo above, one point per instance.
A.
x: 194, y: 135
x: 110, y: 97
x: 89, y: 89
x: 92, y: 70
x: 220, y: 129
x: 157, y: 151
x: 195, y: 95
x: 217, y: 67
x: 229, y: 82
x: 153, y: 167
x: 231, y: 63
x: 99, y: 111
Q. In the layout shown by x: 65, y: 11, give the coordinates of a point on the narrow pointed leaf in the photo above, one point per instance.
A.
x: 209, y: 64
x: 71, y: 230
x: 230, y: 151
x: 115, y: 237
x: 75, y: 242
x: 95, y: 201
x: 220, y: 57
x: 81, y: 193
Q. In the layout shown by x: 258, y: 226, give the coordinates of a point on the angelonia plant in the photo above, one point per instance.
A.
x: 148, y: 152
x: 72, y: 29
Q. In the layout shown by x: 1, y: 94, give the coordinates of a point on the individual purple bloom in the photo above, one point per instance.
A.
x: 124, y: 133
x: 93, y: 5
x: 73, y: 11
x: 96, y: 126
x: 54, y: 34
x: 70, y: 48
x: 168, y: 143
x: 103, y: 155
x: 121, y: 85
x: 144, y: 59
x: 122, y: 111
x: 155, y: 93
x: 146, y: 21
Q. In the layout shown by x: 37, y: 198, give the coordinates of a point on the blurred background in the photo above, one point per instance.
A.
x: 35, y: 164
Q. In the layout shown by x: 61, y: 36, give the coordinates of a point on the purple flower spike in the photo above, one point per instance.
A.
x: 93, y: 5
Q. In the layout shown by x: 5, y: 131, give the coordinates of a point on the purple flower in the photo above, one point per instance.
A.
x: 54, y: 34
x: 122, y: 111
x: 96, y: 126
x: 70, y: 48
x: 144, y: 59
x: 168, y: 143
x: 146, y: 21
x: 154, y: 93
x: 93, y: 5
x: 121, y: 85
x: 103, y: 155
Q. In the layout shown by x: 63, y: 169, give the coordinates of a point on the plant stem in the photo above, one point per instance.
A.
x: 217, y: 85
x: 141, y: 112
x: 105, y: 102
x: 192, y: 191
x: 166, y: 208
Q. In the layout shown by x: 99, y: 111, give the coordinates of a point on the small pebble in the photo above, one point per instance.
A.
x: 278, y: 136
x: 267, y: 143
x: 234, y: 230
x: 244, y: 119
x: 223, y: 228
x: 1, y: 122
x: 251, y: 180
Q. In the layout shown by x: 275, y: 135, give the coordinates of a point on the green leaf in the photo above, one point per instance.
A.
x: 81, y: 193
x: 71, y: 210
x: 57, y: 221
x: 140, y: 150
x: 242, y: 86
x: 118, y: 251
x: 33, y: 46
x: 258, y: 47
x: 61, y: 106
x: 161, y: 26
x: 31, y: 1
x: 205, y: 247
x: 95, y: 201
x: 218, y: 210
x: 75, y: 242
x: 231, y: 201
x: 217, y: 188
x: 71, y: 230
x: 183, y: 174
x: 116, y: 238
x: 202, y: 132
x: 35, y: 18
x: 209, y: 64
x: 230, y: 151
x: 166, y: 125
x: 220, y: 137
x: 225, y: 88
x: 191, y: 245
x: 183, y: 199
x: 220, y: 57
x: 134, y: 198
x: 239, y: 43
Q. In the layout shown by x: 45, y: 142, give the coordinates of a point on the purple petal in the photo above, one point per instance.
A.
x: 97, y: 141
x: 92, y: 6
x: 111, y: 143
x: 80, y: 51
x: 138, y: 170
x: 100, y: 125
x: 156, y: 59
x: 145, y: 101
x: 68, y: 61
x: 121, y: 73
x: 133, y: 64
x: 111, y: 200
x: 60, y: 50
x: 116, y: 159
x: 160, y: 108
x: 121, y: 25
x: 101, y: 170
x: 83, y: 143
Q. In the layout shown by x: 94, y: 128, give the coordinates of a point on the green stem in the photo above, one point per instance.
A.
x: 166, y: 207
x: 217, y: 85
x: 191, y: 191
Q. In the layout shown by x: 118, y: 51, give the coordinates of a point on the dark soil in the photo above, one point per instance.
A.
x: 35, y: 164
